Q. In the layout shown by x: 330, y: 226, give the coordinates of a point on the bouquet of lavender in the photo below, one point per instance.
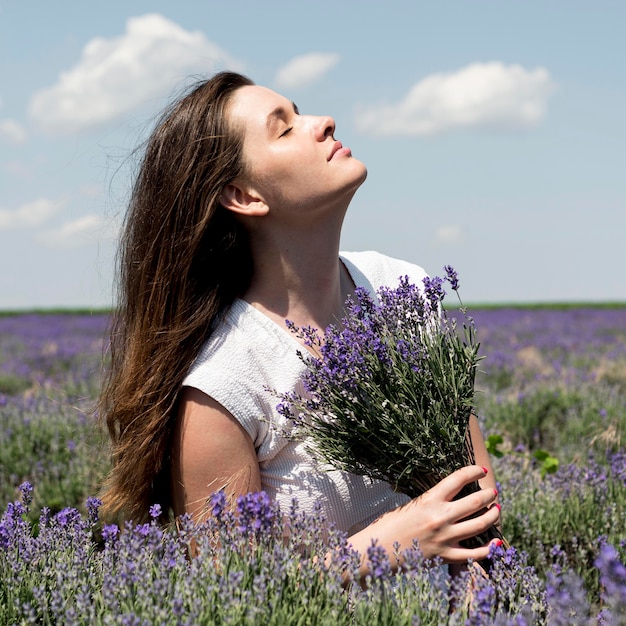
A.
x: 390, y: 392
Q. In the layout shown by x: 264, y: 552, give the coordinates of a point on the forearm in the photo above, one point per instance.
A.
x: 482, y: 458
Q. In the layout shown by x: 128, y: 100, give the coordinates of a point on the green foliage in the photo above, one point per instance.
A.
x: 499, y: 378
x: 554, y: 418
x: 53, y: 445
x: 11, y: 385
x: 570, y: 508
x: 492, y: 443
x: 548, y: 463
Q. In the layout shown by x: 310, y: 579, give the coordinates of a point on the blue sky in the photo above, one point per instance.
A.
x: 494, y: 133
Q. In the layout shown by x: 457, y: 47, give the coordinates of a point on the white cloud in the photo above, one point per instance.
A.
x: 12, y: 131
x: 451, y: 234
x: 305, y: 69
x: 486, y: 95
x: 114, y: 76
x: 83, y: 231
x: 28, y: 215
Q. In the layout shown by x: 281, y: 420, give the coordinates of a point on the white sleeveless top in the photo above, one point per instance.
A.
x: 247, y: 355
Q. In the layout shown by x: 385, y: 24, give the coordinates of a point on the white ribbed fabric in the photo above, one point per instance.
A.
x: 246, y: 356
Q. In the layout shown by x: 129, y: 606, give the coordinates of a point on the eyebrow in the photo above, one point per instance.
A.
x: 279, y: 113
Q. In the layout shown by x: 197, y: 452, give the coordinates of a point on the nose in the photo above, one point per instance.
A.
x: 325, y: 127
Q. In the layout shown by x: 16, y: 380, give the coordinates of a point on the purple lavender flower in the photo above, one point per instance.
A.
x: 26, y: 489
x: 613, y: 581
x: 93, y: 505
x: 433, y: 289
x: 155, y: 511
x: 483, y: 603
x: 309, y: 335
x: 110, y: 532
x: 255, y: 513
x: 617, y: 462
x: 516, y: 584
x: 218, y: 503
x: 567, y: 599
x: 452, y: 277
x: 67, y: 516
x: 378, y: 561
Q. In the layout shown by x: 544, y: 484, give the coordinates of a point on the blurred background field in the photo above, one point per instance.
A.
x: 551, y: 397
x: 50, y: 372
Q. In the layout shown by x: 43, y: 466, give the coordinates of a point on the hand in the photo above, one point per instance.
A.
x: 437, y: 521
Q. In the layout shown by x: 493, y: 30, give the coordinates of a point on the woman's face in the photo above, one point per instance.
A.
x: 292, y: 161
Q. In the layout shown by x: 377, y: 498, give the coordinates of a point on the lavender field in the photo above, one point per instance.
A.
x: 552, y: 402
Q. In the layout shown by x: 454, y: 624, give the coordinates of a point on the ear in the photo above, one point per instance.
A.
x: 243, y: 201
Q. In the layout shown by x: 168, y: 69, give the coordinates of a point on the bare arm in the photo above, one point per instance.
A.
x: 212, y: 451
x: 482, y: 458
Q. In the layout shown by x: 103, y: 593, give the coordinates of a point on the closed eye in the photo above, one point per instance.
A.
x: 280, y: 116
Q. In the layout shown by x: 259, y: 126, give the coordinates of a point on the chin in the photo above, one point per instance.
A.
x: 360, y: 170
x: 363, y: 176
x: 351, y: 189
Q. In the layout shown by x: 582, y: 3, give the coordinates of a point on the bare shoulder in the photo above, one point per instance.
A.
x: 211, y: 451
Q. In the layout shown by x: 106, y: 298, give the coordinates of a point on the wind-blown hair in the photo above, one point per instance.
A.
x: 182, y: 260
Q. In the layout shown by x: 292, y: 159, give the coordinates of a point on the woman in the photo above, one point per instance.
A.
x: 234, y: 226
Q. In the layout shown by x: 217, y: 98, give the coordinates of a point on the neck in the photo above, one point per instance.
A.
x: 298, y: 275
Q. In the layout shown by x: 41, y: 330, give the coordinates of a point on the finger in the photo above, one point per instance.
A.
x: 475, y: 502
x: 462, y: 555
x: 452, y: 484
x: 497, y: 506
x: 476, y: 525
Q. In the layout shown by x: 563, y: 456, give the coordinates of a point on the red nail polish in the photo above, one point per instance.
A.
x: 498, y: 506
x: 485, y: 470
x: 495, y: 492
x: 498, y: 542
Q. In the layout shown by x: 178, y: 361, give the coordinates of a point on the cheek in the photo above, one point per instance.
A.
x: 269, y: 182
x: 282, y: 176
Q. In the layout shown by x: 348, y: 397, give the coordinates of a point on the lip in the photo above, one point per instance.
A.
x: 338, y: 148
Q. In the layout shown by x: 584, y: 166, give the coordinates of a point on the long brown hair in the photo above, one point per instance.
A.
x: 182, y: 260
